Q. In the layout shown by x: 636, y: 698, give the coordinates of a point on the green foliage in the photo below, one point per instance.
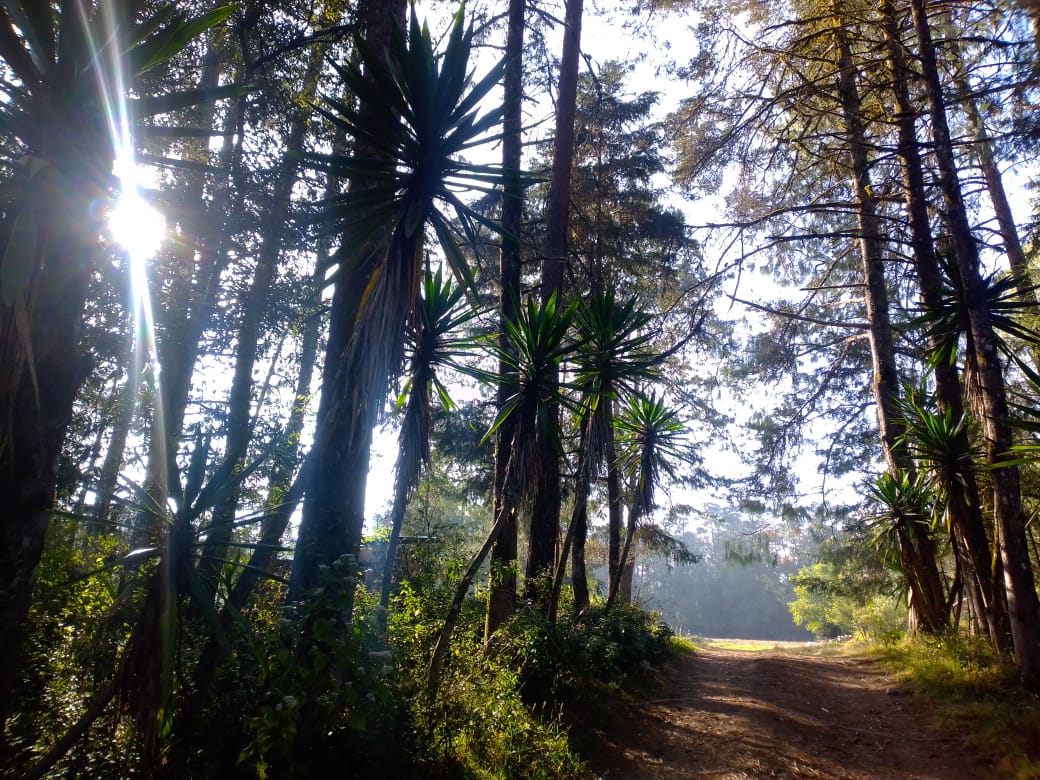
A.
x: 326, y: 693
x: 973, y: 694
x: 427, y: 116
x: 831, y: 603
x: 76, y: 626
x: 564, y: 663
x: 479, y: 726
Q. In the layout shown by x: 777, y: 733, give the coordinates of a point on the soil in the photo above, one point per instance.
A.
x: 723, y: 713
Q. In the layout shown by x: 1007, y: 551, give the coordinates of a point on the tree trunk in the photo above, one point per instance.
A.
x: 577, y: 530
x: 255, y: 306
x: 440, y: 650
x: 108, y: 479
x: 334, y: 505
x: 613, y: 499
x: 184, y: 326
x: 965, y: 504
x: 502, y: 572
x: 545, y: 508
x: 284, y: 492
x: 616, y: 583
x: 409, y: 462
x: 1023, y: 605
x: 36, y: 397
x: 917, y: 550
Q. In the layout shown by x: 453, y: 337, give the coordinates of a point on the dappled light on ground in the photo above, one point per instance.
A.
x: 783, y: 713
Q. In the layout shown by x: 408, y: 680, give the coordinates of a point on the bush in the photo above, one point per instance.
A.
x: 479, y: 726
x: 832, y: 604
x: 560, y: 663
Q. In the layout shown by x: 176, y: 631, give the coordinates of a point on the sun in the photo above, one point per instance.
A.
x: 133, y: 223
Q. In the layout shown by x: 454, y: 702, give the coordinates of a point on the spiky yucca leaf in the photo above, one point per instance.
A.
x: 415, y: 171
x: 902, y: 504
x: 941, y: 444
x: 651, y: 435
x: 614, y: 358
x: 538, y: 342
x: 1005, y: 304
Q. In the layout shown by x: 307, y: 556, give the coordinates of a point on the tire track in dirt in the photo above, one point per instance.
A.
x: 727, y: 714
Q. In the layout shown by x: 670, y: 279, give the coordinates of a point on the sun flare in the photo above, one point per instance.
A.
x: 135, y: 225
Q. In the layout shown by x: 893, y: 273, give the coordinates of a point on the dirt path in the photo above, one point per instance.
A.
x: 773, y: 714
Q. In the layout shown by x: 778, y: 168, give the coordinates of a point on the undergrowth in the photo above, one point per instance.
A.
x: 504, y: 709
x: 974, y: 695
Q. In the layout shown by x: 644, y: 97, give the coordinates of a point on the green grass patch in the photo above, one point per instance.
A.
x: 826, y: 648
x: 973, y: 694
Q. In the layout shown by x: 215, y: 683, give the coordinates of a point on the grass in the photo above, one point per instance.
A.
x: 974, y: 695
x: 825, y: 649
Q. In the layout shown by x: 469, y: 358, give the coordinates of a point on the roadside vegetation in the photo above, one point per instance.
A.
x: 973, y: 695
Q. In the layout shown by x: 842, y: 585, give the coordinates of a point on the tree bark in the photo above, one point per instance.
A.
x: 239, y: 426
x: 334, y: 506
x: 545, y: 508
x: 613, y: 499
x: 1023, y: 605
x: 108, y: 479
x: 965, y: 504
x: 917, y: 549
x: 502, y: 573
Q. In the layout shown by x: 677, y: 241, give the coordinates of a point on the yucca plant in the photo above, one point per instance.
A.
x: 538, y: 342
x: 900, y: 525
x: 651, y: 436
x: 1006, y: 306
x: 939, y: 442
x: 412, y: 179
x: 614, y: 359
x: 406, y: 178
x: 436, y: 344
x: 948, y: 452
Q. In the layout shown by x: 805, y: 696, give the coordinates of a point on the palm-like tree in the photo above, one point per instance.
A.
x: 651, y: 435
x: 66, y: 66
x: 946, y: 449
x: 613, y: 360
x: 537, y: 344
x: 434, y: 346
x: 904, y: 514
x: 406, y: 182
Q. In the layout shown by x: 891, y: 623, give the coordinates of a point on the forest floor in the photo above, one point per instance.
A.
x: 740, y: 710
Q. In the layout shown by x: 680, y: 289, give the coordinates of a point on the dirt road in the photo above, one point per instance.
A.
x: 774, y: 714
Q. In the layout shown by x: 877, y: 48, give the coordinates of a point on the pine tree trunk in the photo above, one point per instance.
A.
x: 545, y: 508
x: 965, y: 505
x: 618, y: 588
x: 1023, y: 605
x: 613, y: 500
x: 197, y: 287
x: 502, y: 571
x: 108, y: 479
x: 239, y: 428
x: 917, y: 550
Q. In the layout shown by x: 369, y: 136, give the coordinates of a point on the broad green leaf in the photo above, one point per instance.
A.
x: 172, y: 42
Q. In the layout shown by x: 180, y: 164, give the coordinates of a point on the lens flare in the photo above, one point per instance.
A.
x: 135, y: 225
